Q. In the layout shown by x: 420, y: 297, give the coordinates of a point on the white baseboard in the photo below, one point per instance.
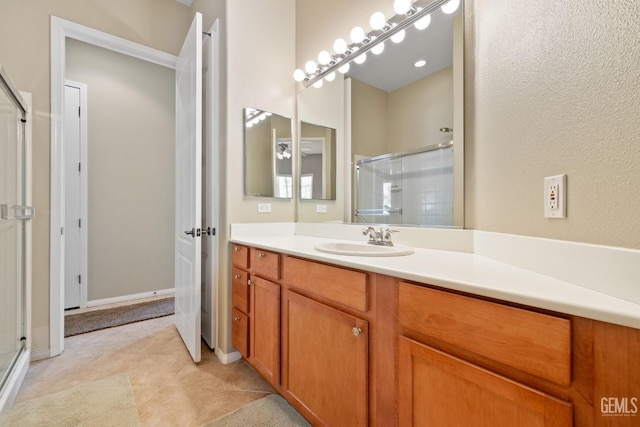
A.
x: 42, y: 354
x: 227, y: 358
x: 125, y: 298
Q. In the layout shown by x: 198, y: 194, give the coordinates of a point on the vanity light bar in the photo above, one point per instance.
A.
x: 395, y: 24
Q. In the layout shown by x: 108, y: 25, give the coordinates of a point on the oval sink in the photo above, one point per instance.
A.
x: 362, y: 249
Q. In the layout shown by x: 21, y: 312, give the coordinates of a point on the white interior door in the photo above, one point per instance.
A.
x: 73, y: 222
x: 210, y: 190
x: 189, y: 188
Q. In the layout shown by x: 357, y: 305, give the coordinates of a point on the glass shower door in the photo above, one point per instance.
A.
x: 12, y: 228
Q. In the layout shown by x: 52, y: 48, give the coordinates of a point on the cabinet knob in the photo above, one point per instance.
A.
x: 261, y: 255
x: 237, y: 276
x: 249, y: 282
x: 356, y: 331
x: 236, y: 318
x: 236, y: 248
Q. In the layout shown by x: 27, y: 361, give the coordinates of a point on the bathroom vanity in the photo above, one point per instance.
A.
x: 377, y: 346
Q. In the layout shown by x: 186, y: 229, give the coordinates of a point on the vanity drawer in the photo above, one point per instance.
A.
x: 343, y: 286
x: 532, y: 342
x: 240, y: 256
x: 240, y: 332
x: 265, y: 263
x: 240, y: 290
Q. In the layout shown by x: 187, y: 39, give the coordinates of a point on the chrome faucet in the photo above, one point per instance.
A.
x: 380, y: 237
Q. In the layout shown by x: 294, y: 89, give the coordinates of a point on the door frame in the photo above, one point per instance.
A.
x: 84, y: 202
x: 62, y: 29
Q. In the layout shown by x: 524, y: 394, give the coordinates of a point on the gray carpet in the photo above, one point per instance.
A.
x: 82, y: 323
x: 270, y: 411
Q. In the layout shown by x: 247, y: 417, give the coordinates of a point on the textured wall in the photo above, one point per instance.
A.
x: 555, y: 90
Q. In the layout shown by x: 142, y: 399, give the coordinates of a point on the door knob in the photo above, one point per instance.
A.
x: 191, y: 232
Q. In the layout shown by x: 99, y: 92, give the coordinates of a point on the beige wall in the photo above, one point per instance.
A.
x: 261, y: 45
x: 552, y: 88
x: 369, y: 120
x: 417, y: 111
x: 131, y: 160
x: 25, y: 54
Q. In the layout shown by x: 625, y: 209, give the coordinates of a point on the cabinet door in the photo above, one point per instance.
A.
x: 265, y: 329
x: 240, y: 290
x: 326, y: 362
x: 436, y: 389
x: 240, y: 332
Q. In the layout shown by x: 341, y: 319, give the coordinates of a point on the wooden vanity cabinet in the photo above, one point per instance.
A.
x: 437, y: 387
x: 240, y: 298
x: 326, y: 362
x: 265, y: 329
x: 255, y: 327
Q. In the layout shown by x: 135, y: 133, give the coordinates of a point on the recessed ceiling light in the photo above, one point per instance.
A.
x: 420, y: 63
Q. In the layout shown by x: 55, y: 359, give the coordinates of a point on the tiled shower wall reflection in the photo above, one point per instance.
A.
x: 407, y: 189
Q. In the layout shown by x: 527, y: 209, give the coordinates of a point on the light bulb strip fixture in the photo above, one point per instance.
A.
x: 394, y: 24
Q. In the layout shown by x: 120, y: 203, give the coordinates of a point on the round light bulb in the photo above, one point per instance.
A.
x: 377, y: 21
x: 378, y: 49
x: 344, y: 68
x: 324, y: 57
x: 340, y: 46
x: 398, y: 37
x: 357, y: 34
x: 331, y: 76
x: 423, y: 22
x: 310, y: 67
x: 450, y: 6
x: 318, y: 84
x: 361, y: 58
x: 249, y: 124
x: 401, y: 7
x: 420, y: 63
x: 298, y: 75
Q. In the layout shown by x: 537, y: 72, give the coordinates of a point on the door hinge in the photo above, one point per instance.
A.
x: 79, y: 167
x: 79, y: 222
x: 79, y: 279
x: 62, y: 231
x: 78, y: 111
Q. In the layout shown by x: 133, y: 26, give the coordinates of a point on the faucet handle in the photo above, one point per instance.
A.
x: 387, y: 234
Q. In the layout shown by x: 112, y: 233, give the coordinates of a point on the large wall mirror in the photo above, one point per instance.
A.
x: 268, y: 149
x: 406, y: 129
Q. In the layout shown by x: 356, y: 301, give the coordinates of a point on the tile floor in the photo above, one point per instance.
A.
x: 169, y: 389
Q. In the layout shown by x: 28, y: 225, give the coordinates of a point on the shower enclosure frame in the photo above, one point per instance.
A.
x: 23, y: 213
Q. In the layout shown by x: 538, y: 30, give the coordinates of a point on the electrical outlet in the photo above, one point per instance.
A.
x: 555, y: 196
x: 321, y: 208
x: 264, y: 207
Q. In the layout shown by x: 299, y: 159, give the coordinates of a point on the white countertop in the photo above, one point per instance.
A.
x: 467, y: 272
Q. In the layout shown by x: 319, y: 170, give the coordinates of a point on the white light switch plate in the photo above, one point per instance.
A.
x: 321, y: 208
x: 555, y: 196
x: 264, y: 207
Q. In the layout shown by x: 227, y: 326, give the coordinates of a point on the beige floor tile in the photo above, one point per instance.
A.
x: 168, y: 388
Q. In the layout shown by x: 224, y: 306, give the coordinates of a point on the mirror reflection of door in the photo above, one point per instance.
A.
x: 317, y: 162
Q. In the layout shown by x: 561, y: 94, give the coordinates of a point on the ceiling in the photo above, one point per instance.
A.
x: 394, y: 68
x: 186, y: 2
